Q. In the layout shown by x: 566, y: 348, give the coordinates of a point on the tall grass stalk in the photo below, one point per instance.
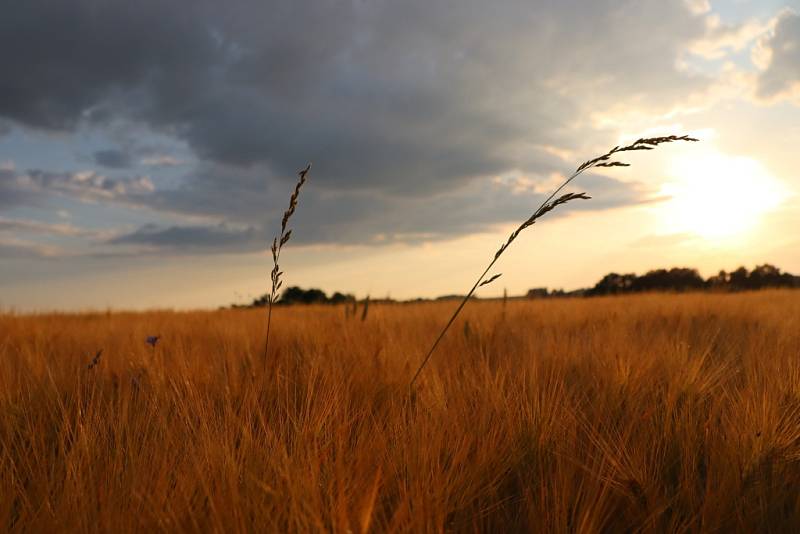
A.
x: 549, y: 204
x: 277, y: 246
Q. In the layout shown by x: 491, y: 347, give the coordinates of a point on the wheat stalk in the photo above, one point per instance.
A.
x: 277, y: 246
x: 549, y: 204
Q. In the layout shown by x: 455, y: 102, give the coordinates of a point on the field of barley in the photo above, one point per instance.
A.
x: 667, y: 413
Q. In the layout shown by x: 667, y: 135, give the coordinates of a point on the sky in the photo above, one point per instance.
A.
x: 148, y: 149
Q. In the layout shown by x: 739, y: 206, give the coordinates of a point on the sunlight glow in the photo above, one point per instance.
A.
x: 718, y: 197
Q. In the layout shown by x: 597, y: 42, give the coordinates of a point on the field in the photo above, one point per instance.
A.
x: 665, y: 413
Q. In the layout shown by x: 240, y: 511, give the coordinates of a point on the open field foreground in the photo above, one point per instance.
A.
x: 666, y: 413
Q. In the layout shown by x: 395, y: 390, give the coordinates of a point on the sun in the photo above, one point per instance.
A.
x: 718, y: 197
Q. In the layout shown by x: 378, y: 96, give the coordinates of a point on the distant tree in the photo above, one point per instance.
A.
x: 675, y: 279
x: 341, y: 298
x: 298, y: 295
x: 768, y: 275
x: 720, y: 280
x: 613, y: 283
x: 259, y: 302
x: 739, y: 279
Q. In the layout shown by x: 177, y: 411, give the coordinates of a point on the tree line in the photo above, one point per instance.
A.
x: 685, y: 279
x: 298, y: 295
x: 677, y: 279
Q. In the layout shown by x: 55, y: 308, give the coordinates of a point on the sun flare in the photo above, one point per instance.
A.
x: 718, y: 197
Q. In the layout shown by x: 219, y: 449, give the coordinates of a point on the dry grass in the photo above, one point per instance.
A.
x: 609, y: 159
x: 645, y: 413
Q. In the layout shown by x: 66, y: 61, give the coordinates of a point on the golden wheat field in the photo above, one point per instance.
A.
x: 667, y: 413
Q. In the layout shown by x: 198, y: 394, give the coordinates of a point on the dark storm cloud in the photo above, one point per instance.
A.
x: 407, y: 109
x: 113, y: 158
x: 783, y: 71
x: 221, y: 237
x: 61, y: 59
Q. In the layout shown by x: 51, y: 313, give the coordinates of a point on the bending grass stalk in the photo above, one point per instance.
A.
x: 277, y: 246
x: 550, y: 203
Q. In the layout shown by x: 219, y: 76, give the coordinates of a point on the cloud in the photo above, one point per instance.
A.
x: 408, y: 110
x: 8, y: 225
x: 218, y: 238
x: 161, y: 161
x: 245, y: 221
x: 12, y: 248
x: 362, y: 218
x: 721, y: 39
x: 698, y: 7
x: 67, y: 61
x: 780, y: 54
x: 30, y: 188
x: 452, y: 84
x: 113, y: 158
x: 13, y: 192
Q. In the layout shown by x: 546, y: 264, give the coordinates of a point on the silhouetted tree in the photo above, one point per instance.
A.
x: 675, y: 279
x: 297, y: 295
x: 341, y: 298
x: 738, y: 279
x: 768, y: 275
x: 719, y: 280
x: 685, y: 279
x: 613, y: 283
